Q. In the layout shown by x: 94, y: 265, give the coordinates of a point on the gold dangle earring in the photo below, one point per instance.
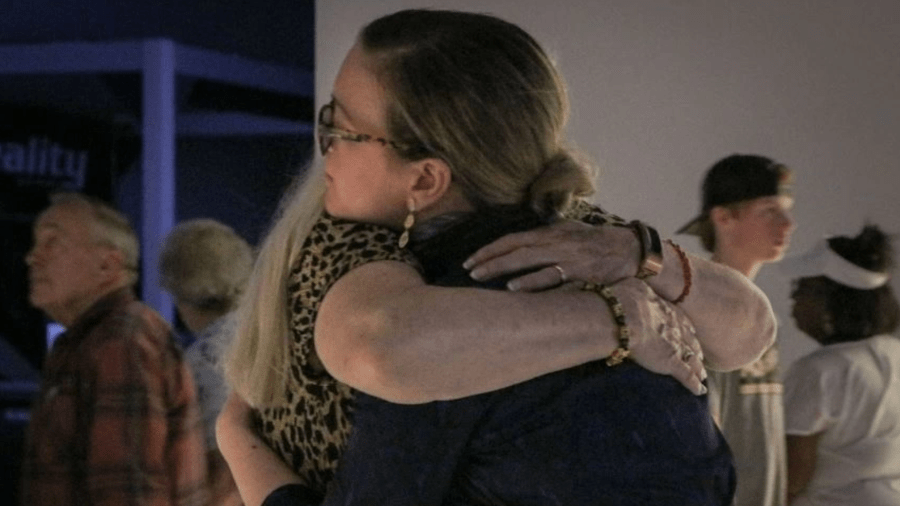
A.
x: 408, y: 223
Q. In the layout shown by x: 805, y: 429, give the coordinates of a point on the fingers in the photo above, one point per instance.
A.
x: 563, y: 231
x: 687, y: 363
x: 670, y: 345
x: 517, y: 260
x: 690, y: 374
x: 500, y: 247
x: 548, y: 277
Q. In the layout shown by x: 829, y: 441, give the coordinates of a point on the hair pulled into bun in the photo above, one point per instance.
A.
x: 871, y: 249
x: 565, y: 176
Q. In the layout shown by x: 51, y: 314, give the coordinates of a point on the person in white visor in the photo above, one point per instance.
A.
x: 842, y: 402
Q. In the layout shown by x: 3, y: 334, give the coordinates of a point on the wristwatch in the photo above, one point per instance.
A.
x: 651, y: 262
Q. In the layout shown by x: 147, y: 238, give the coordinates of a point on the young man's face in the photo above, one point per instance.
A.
x: 761, y: 228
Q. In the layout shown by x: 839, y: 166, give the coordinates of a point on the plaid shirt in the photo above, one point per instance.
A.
x: 117, y: 421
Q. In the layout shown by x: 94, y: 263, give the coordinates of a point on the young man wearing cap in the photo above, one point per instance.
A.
x: 745, y: 222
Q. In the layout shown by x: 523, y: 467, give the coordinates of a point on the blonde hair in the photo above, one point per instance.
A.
x: 256, y: 362
x: 206, y: 264
x: 109, y: 227
x: 481, y: 94
x: 471, y: 89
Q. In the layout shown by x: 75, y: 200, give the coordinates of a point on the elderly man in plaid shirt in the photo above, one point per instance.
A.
x: 117, y: 421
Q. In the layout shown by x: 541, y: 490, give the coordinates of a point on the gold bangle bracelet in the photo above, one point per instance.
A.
x: 624, y: 333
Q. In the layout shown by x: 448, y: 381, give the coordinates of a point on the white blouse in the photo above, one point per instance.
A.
x: 849, y: 392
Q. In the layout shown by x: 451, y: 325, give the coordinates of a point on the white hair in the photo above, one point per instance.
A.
x: 206, y: 264
x: 109, y: 228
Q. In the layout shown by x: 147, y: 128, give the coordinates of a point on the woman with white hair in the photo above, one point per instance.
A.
x: 205, y: 265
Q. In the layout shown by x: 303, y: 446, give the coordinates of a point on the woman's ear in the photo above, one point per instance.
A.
x: 433, y: 179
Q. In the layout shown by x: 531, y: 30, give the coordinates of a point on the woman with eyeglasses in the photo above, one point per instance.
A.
x: 842, y: 402
x: 394, y: 353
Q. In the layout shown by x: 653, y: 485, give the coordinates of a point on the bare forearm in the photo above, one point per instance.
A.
x: 407, y: 342
x: 257, y: 474
x: 256, y: 469
x: 801, y: 463
x: 733, y: 317
x: 430, y: 343
x: 510, y: 339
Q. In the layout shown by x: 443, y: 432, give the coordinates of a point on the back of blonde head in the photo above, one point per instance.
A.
x: 481, y: 94
x: 471, y: 89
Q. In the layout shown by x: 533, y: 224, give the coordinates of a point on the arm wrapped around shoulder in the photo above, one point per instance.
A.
x: 736, y: 324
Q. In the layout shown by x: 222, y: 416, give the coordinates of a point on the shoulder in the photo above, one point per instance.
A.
x: 134, y: 331
x: 335, y: 247
x: 853, y: 352
x: 824, y: 358
x: 139, y: 319
x: 124, y: 315
x: 335, y: 243
x: 876, y: 355
x: 885, y: 343
x: 837, y: 360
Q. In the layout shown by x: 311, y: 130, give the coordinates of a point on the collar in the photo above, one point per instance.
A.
x: 100, y: 309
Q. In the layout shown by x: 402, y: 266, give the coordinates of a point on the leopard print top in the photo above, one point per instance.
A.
x: 310, y: 431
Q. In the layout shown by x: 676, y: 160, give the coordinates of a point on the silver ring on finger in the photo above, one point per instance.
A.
x: 562, y: 274
x: 687, y: 355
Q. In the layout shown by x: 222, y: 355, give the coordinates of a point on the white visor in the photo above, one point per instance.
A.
x: 823, y: 261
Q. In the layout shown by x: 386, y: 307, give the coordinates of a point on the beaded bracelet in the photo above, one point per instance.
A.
x: 686, y: 272
x: 622, y: 351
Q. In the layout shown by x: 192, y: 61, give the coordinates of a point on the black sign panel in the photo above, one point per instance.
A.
x: 41, y: 152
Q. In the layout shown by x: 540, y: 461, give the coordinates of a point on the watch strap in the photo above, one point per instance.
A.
x: 651, y: 262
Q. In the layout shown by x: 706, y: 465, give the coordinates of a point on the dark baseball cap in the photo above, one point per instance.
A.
x: 737, y: 178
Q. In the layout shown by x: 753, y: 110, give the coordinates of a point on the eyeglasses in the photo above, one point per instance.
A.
x: 327, y: 132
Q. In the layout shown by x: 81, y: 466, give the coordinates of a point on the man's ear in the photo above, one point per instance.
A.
x: 112, y: 261
x: 721, y: 216
x: 433, y: 179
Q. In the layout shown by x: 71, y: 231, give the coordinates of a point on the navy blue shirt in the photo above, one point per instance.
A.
x: 589, y: 435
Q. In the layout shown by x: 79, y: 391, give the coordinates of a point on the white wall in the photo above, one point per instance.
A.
x: 660, y: 90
